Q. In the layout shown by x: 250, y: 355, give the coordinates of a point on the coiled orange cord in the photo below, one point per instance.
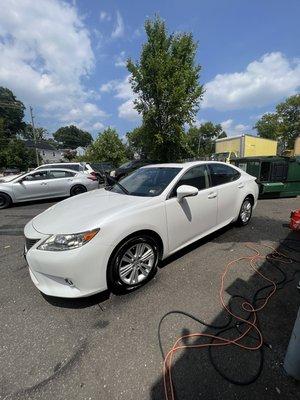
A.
x: 252, y: 325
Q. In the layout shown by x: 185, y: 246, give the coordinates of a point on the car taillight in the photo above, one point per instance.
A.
x: 93, y: 173
x: 92, y: 177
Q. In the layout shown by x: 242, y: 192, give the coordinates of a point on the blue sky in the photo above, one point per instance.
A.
x: 66, y: 59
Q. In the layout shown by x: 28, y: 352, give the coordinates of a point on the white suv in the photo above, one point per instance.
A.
x: 75, y: 166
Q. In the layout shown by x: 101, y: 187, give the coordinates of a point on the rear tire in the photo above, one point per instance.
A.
x: 5, y: 201
x: 245, y: 213
x: 77, y: 189
x: 132, y: 264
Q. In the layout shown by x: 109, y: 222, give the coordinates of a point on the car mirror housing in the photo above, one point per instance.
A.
x: 186, y: 191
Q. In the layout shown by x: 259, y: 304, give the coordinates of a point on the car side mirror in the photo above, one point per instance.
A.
x: 186, y: 191
x: 21, y: 180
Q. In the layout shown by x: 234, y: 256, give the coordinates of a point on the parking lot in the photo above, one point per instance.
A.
x: 106, y: 347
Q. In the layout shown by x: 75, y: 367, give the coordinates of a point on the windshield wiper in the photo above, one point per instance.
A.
x: 108, y: 187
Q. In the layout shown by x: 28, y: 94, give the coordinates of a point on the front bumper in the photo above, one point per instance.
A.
x: 73, y: 273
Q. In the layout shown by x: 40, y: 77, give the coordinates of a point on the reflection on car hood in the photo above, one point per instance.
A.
x: 85, y: 211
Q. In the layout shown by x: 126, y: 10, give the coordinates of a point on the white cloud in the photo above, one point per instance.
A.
x: 105, y: 16
x: 119, y: 27
x: 126, y: 111
x: 263, y: 82
x: 122, y: 90
x: 98, y: 125
x: 120, y: 60
x: 234, y: 129
x: 45, y: 52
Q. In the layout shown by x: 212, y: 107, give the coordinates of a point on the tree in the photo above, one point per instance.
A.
x: 268, y: 126
x: 200, y: 140
x: 107, y: 147
x: 289, y: 119
x: 15, y: 154
x: 283, y: 125
x: 137, y: 142
x: 69, y: 154
x: 165, y: 81
x: 40, y: 133
x: 72, y: 137
x: 11, y: 113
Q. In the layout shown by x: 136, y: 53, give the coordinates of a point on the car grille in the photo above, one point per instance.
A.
x: 30, y: 242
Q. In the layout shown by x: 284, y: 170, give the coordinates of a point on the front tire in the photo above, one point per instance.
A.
x: 77, y: 189
x: 133, y: 263
x: 245, y: 212
x: 5, y: 201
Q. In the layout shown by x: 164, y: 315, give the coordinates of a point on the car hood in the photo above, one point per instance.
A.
x: 85, y: 211
x: 8, y: 178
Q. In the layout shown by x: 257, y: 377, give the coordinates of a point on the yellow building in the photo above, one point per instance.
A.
x: 244, y: 146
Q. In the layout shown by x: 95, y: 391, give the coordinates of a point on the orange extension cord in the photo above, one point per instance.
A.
x: 253, y: 259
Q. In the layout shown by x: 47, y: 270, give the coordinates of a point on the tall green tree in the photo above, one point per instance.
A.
x: 282, y: 125
x: 107, y: 147
x: 11, y: 113
x: 72, y: 137
x: 39, y: 133
x: 201, y: 139
x: 13, y: 152
x: 268, y: 126
x: 289, y: 118
x: 165, y: 81
x: 137, y: 142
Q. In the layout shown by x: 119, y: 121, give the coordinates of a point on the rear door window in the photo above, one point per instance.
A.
x: 74, y: 167
x: 221, y: 174
x: 56, y: 174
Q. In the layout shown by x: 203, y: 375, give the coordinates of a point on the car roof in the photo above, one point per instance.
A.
x: 62, y: 163
x: 184, y: 164
x: 56, y: 169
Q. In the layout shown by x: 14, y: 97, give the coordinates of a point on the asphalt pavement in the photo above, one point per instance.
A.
x: 106, y: 347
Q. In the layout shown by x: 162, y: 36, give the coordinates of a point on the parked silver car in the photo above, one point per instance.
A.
x: 44, y: 184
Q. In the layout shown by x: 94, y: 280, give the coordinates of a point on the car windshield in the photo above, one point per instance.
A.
x: 126, y: 165
x: 148, y: 182
x: 219, y: 156
x: 13, y: 178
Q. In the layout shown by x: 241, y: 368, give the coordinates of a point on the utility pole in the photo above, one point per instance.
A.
x: 34, y: 136
x: 199, y: 142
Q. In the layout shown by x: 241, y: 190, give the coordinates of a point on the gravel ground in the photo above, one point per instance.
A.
x: 106, y: 347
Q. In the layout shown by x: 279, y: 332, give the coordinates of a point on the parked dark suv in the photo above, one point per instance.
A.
x: 130, y: 166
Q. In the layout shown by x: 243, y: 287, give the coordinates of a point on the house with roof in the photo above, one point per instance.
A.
x: 47, y: 152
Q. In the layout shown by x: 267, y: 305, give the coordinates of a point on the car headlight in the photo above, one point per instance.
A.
x: 67, y: 242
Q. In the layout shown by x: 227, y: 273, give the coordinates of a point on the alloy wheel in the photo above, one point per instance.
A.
x: 136, y: 263
x: 246, y: 210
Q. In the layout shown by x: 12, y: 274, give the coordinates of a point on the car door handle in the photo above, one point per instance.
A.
x: 212, y: 195
x: 241, y: 185
x: 44, y: 183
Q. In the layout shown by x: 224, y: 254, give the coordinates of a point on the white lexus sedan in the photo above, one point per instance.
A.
x: 114, y: 237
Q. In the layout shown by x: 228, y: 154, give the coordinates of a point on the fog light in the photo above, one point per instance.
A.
x: 69, y: 282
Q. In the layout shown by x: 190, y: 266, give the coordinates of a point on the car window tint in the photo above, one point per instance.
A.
x: 74, y: 167
x: 55, y: 174
x: 196, y: 176
x: 221, y: 174
x: 37, y: 176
